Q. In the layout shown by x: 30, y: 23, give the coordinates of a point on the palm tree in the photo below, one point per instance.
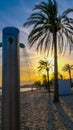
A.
x: 60, y: 76
x: 45, y: 65
x: 49, y: 31
x: 68, y: 68
x: 44, y: 81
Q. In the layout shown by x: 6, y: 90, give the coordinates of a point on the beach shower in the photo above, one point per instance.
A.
x: 10, y: 79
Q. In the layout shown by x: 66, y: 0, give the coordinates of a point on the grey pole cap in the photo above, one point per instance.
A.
x: 10, y: 30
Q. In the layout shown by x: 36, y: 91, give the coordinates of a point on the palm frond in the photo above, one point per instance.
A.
x: 66, y: 67
x: 43, y: 21
x: 42, y: 7
x: 67, y: 11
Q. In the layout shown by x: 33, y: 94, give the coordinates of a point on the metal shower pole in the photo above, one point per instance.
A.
x: 10, y: 79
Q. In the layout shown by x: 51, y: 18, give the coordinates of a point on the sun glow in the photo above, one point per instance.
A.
x: 29, y: 66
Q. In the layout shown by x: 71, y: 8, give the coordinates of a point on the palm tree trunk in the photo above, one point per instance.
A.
x: 48, y: 85
x: 70, y: 77
x: 56, y: 93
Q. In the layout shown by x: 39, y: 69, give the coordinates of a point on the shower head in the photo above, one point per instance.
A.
x: 22, y: 45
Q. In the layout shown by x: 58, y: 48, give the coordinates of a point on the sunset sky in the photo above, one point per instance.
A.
x: 14, y: 13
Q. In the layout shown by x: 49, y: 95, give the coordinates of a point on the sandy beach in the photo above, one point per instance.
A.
x: 38, y: 112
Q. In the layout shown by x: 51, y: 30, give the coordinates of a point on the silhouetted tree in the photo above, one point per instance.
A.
x: 45, y: 65
x: 49, y: 31
x: 68, y: 68
x: 60, y: 76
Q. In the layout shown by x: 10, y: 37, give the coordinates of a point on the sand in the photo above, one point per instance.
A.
x: 38, y: 112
